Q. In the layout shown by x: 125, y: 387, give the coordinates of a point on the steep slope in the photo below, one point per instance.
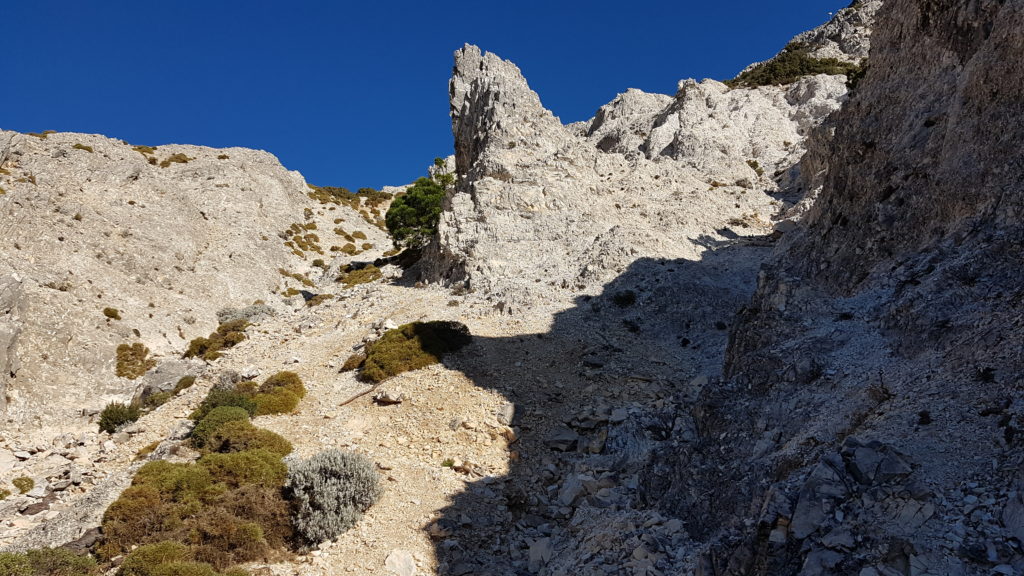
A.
x: 163, y: 238
x: 868, y: 422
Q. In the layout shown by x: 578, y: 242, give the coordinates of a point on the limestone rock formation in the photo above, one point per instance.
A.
x: 108, y: 244
x: 541, y: 208
x: 869, y: 412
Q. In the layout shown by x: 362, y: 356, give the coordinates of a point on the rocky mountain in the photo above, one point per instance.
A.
x: 106, y: 244
x: 738, y: 330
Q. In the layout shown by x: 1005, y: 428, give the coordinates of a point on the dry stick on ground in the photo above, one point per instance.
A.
x: 361, y: 394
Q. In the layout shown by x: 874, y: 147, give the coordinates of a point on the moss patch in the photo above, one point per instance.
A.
x: 83, y: 147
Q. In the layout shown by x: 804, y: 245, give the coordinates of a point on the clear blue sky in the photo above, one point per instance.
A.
x: 351, y: 94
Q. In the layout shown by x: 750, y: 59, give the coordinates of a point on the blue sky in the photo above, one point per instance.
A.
x: 351, y: 94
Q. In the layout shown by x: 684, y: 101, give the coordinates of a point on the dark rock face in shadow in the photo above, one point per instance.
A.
x: 598, y: 398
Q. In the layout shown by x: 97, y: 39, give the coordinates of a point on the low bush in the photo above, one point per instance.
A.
x: 330, y: 492
x: 146, y: 450
x: 277, y: 402
x: 259, y: 467
x: 241, y: 435
x: 23, y: 484
x: 116, y: 415
x: 112, y: 313
x: 184, y: 383
x: 177, y: 158
x: 47, y: 562
x: 353, y: 362
x: 226, y: 336
x: 144, y: 150
x: 410, y: 347
x: 794, y: 62
x: 4, y: 493
x: 224, y: 509
x: 286, y: 380
x: 144, y: 559
x: 156, y: 400
x: 214, y: 420
x: 82, y: 147
x: 218, y: 397
x: 133, y: 360
x: 351, y: 276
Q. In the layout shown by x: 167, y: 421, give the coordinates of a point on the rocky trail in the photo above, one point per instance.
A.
x: 510, y: 446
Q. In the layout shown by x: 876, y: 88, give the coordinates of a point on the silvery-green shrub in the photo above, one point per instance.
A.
x: 330, y: 492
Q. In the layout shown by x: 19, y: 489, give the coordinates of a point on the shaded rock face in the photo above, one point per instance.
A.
x: 869, y: 418
x: 541, y: 208
x: 90, y: 223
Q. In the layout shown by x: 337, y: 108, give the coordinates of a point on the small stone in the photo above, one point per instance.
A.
x: 250, y: 372
x: 400, y: 563
x: 22, y: 455
x: 385, y: 398
x: 618, y: 416
x: 540, y: 553
x: 563, y: 440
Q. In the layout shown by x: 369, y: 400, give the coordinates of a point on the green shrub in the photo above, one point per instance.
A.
x: 82, y: 147
x: 144, y: 150
x: 226, y: 509
x: 410, y: 347
x: 353, y: 362
x: 214, y: 420
x: 47, y: 562
x: 286, y: 380
x: 794, y: 62
x: 144, y: 559
x: 351, y: 276
x: 15, y: 565
x: 412, y: 217
x: 235, y: 469
x: 318, y: 300
x: 147, y: 450
x: 23, y: 484
x: 133, y: 360
x: 330, y: 492
x: 226, y: 336
x: 279, y: 401
x: 218, y: 397
x: 4, y: 493
x: 184, y: 569
x: 116, y: 414
x: 112, y: 313
x: 177, y: 158
x: 184, y: 383
x: 156, y: 400
x: 241, y: 435
x: 359, y: 234
x: 223, y: 157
